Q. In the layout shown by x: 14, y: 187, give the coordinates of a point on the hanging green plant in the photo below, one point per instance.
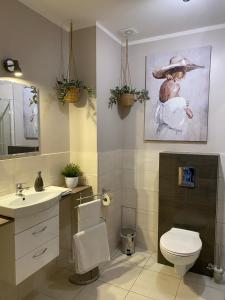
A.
x: 69, y: 90
x: 126, y: 95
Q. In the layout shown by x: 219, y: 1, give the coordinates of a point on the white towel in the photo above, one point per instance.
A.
x: 89, y: 214
x: 91, y: 248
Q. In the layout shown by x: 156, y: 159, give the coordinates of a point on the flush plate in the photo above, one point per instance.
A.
x: 186, y: 177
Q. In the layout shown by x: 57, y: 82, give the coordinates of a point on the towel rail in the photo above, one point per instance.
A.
x: 83, y: 279
x: 104, y: 192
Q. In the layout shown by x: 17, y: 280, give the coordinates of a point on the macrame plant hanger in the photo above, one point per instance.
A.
x: 125, y: 67
x: 127, y: 97
x: 73, y: 93
x: 71, y: 70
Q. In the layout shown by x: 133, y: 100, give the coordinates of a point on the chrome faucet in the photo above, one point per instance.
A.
x: 20, y: 188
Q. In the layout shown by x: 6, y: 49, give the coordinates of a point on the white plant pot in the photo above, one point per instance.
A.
x: 71, y: 182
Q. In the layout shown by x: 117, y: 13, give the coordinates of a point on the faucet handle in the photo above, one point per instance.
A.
x: 19, y: 185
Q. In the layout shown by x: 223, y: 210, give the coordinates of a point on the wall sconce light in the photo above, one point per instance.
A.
x: 12, y: 66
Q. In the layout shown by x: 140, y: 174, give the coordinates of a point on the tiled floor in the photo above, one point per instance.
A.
x: 133, y: 278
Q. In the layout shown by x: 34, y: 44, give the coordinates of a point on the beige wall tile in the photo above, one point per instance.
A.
x: 141, y: 199
x: 142, y: 180
x: 24, y: 170
x: 88, y: 161
x: 147, y: 220
x: 147, y: 239
x: 141, y: 159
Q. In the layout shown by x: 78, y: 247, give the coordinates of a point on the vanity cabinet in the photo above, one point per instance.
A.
x: 28, y: 244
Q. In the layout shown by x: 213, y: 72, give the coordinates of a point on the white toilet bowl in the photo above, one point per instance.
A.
x: 181, y: 248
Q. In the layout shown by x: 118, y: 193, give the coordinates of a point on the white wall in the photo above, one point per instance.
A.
x: 109, y: 131
x: 140, y: 161
x: 82, y: 115
x: 35, y: 42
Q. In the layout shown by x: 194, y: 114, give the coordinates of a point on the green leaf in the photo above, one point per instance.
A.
x: 71, y: 170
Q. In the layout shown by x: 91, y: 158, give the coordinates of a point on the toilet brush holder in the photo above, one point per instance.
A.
x: 218, y: 274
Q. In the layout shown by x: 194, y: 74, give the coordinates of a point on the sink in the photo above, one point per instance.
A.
x: 30, y: 203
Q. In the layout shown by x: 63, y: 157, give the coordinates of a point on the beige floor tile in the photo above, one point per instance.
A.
x: 154, y: 256
x: 60, y: 288
x: 139, y: 258
x: 151, y: 261
x: 203, y: 280
x: 120, y: 274
x: 198, y: 292
x: 156, y: 267
x: 134, y: 296
x: 38, y: 296
x: 156, y: 285
x: 101, y: 291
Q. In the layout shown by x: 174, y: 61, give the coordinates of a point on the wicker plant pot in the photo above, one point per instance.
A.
x: 126, y: 100
x: 72, y: 95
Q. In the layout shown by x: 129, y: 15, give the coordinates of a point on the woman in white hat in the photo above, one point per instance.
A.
x: 173, y: 110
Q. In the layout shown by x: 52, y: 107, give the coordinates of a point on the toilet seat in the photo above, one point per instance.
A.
x: 181, y: 242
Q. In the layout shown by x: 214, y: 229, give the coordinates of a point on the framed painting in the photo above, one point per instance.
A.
x: 178, y: 85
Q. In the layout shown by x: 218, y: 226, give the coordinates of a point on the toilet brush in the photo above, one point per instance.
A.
x: 218, y: 270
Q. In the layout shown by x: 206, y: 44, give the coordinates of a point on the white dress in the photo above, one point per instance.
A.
x: 171, y: 119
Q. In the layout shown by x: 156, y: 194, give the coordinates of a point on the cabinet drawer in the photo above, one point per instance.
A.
x: 34, y: 237
x: 22, y: 224
x: 35, y: 260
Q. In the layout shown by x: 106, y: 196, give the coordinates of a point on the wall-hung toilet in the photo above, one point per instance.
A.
x: 181, y: 248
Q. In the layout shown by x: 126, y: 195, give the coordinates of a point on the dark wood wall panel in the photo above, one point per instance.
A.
x: 189, y: 208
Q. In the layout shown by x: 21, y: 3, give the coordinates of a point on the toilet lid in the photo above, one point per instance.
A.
x: 181, y: 242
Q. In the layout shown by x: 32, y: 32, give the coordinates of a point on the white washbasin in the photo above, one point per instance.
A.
x: 30, y: 203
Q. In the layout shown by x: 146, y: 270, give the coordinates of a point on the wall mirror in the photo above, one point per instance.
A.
x: 19, y: 119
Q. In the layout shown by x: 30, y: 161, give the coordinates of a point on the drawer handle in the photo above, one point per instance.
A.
x: 39, y: 254
x: 39, y: 231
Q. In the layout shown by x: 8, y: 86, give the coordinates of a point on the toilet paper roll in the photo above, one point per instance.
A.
x: 106, y: 200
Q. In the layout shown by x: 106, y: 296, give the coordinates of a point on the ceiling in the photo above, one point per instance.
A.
x: 149, y: 17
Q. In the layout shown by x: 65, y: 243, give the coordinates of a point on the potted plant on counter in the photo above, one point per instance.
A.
x: 71, y: 173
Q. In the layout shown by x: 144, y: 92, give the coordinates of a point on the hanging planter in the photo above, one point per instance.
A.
x: 127, y: 100
x: 73, y: 95
x: 126, y: 95
x: 69, y: 90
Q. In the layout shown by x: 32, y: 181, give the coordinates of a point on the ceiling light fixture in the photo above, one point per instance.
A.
x: 12, y: 66
x: 128, y: 32
x: 186, y: 0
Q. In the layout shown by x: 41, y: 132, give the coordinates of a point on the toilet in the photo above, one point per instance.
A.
x: 181, y: 248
